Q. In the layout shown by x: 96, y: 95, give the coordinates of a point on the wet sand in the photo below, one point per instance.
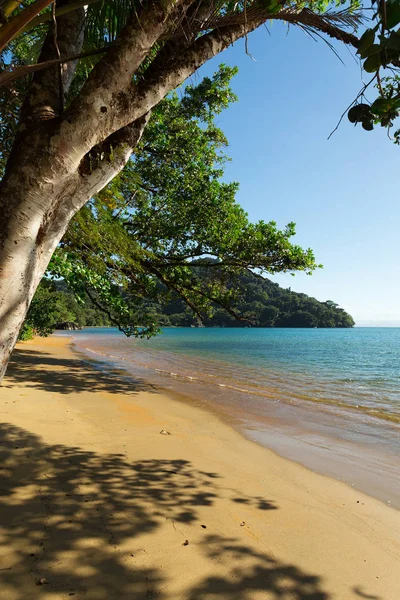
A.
x: 281, y: 413
x: 96, y: 503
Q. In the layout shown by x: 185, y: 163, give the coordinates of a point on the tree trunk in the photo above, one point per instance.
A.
x: 24, y: 256
x: 34, y: 222
x: 59, y: 164
x: 29, y: 234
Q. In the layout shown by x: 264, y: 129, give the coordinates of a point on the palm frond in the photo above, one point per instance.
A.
x: 343, y: 18
x: 206, y: 16
x: 105, y: 21
x: 333, y: 23
x: 16, y: 24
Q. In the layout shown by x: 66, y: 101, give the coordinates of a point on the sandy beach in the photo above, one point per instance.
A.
x: 97, y: 504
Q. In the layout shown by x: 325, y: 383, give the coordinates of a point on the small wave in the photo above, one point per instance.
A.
x: 377, y: 413
x: 94, y: 352
x: 275, y: 388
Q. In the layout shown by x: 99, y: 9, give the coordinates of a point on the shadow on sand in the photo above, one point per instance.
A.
x: 45, y: 371
x: 62, y: 504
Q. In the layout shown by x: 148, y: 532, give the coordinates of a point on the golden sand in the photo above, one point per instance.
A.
x: 97, y: 504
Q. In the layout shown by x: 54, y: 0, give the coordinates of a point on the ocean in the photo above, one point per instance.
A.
x: 327, y: 398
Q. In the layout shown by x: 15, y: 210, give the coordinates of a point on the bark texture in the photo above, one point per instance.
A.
x: 31, y: 230
x: 61, y: 158
x: 50, y: 87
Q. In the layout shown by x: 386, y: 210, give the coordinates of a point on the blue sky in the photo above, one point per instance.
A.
x: 342, y: 193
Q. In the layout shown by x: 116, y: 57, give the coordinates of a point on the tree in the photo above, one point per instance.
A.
x: 78, y: 124
x: 53, y: 299
x: 49, y: 307
x: 169, y: 227
x: 301, y: 318
x: 167, y: 234
x: 268, y: 316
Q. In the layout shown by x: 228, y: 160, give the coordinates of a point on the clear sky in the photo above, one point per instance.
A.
x: 342, y: 193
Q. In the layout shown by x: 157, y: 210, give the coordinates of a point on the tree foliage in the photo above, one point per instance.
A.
x: 138, y: 240
x: 83, y: 80
x: 54, y: 305
x: 166, y: 243
x: 260, y: 303
x: 379, y: 49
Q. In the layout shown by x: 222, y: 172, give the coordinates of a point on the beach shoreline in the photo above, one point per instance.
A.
x: 100, y: 504
x: 345, y: 444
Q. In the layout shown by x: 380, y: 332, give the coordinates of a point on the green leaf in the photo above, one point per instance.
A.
x: 372, y: 63
x: 381, y: 106
x: 393, y: 41
x: 370, y: 51
x: 392, y: 14
x: 366, y: 40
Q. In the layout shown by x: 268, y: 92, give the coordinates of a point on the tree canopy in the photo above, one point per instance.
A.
x: 82, y: 81
x: 168, y: 217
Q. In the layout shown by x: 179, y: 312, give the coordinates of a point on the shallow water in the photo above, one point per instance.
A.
x: 329, y: 398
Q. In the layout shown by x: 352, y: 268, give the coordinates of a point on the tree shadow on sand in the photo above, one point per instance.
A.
x: 47, y: 372
x: 254, y: 572
x: 78, y: 519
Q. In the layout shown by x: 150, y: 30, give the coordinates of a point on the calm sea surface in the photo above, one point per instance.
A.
x: 329, y: 398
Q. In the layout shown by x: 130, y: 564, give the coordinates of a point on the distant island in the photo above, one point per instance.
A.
x: 262, y: 304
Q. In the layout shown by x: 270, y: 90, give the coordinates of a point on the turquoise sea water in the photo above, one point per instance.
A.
x: 327, y: 397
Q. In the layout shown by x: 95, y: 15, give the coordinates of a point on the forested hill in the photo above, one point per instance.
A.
x: 264, y: 304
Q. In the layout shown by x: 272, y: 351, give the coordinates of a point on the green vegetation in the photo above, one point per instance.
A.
x: 165, y: 243
x: 134, y: 244
x: 263, y: 304
x: 379, y: 49
x: 54, y: 304
x: 83, y: 83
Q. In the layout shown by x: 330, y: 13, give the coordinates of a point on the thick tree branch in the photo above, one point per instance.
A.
x: 103, y: 106
x: 92, y: 178
x: 88, y: 114
x: 89, y: 122
x: 169, y: 71
x: 112, y: 155
x: 33, y: 163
